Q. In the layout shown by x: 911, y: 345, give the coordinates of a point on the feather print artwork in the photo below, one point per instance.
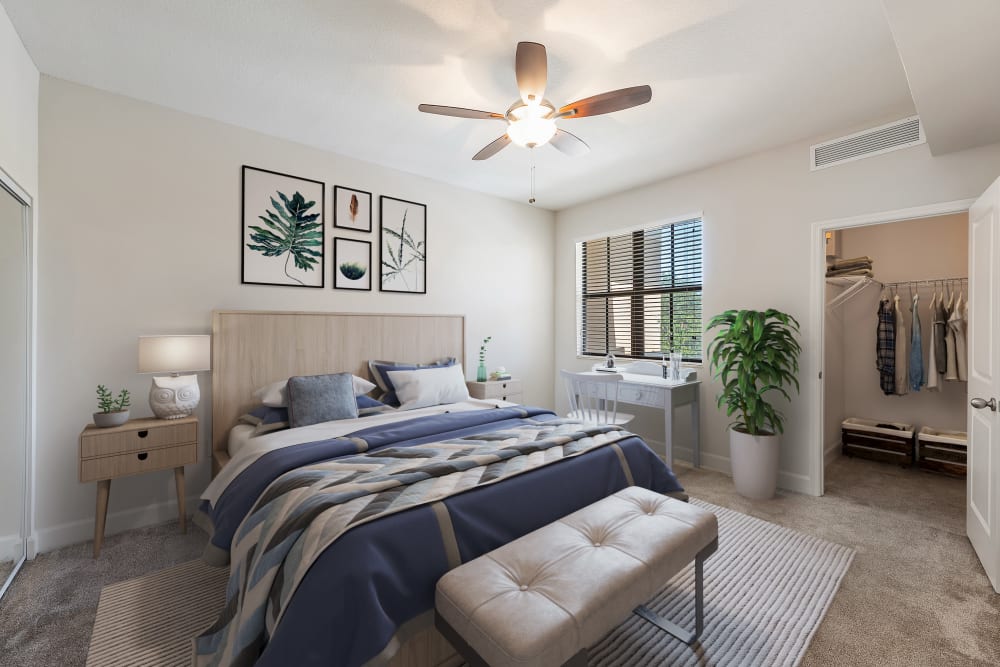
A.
x: 353, y: 208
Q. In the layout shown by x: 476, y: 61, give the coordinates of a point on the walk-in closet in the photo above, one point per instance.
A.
x: 895, y: 363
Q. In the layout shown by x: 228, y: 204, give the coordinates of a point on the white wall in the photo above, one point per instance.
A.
x: 757, y: 219
x: 911, y: 250
x: 833, y: 374
x: 140, y: 234
x: 19, y: 159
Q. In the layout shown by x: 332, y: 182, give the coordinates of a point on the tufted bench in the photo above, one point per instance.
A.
x: 541, y: 600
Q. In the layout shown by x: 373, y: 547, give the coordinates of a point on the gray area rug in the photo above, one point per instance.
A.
x: 766, y: 591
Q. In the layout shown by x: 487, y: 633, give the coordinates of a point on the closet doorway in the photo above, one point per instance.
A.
x: 895, y: 367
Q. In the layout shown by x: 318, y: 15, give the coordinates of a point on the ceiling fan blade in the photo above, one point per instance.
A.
x: 570, y: 144
x: 492, y: 148
x: 532, y: 69
x: 616, y: 100
x: 458, y: 111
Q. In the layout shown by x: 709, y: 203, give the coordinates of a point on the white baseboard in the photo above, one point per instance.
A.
x: 10, y: 548
x: 831, y: 453
x: 47, y: 539
x: 787, y: 481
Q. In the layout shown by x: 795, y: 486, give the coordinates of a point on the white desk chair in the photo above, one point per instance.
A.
x: 593, y: 397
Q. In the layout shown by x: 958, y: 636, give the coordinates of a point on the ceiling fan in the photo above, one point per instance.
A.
x: 531, y: 120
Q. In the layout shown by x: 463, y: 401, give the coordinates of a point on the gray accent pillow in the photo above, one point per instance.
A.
x: 320, y: 398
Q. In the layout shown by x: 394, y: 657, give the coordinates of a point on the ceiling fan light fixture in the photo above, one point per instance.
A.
x: 531, y: 132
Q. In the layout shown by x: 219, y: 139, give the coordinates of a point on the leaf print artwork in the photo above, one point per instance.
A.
x: 404, y: 247
x: 290, y: 230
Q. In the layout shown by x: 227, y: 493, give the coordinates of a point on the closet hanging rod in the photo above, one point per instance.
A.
x: 927, y: 283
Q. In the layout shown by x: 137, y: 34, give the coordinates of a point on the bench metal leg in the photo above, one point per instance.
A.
x: 685, y: 636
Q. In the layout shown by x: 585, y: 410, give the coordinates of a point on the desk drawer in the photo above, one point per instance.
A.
x: 133, y: 463
x: 94, y: 442
x: 634, y: 394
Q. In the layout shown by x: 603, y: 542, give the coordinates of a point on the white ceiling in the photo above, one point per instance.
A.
x: 729, y: 77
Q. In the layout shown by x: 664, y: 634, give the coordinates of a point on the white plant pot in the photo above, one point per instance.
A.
x: 754, y: 460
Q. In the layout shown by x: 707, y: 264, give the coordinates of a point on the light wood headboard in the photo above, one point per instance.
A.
x: 253, y: 348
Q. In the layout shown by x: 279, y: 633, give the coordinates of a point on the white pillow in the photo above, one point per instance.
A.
x: 429, y: 386
x: 274, y: 396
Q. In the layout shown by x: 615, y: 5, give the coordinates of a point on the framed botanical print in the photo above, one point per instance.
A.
x: 283, y: 237
x: 352, y: 209
x: 352, y: 264
x: 403, y: 246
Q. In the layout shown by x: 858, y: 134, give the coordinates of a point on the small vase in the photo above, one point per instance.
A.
x: 481, y: 372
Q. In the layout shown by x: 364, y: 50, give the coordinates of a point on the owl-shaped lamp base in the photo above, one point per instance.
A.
x: 175, y: 396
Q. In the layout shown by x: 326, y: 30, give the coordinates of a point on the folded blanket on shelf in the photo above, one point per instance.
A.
x: 852, y: 263
x: 850, y: 272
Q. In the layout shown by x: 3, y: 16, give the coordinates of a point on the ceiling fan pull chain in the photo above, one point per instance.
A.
x: 531, y: 198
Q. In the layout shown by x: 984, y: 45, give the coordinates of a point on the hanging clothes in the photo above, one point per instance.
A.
x: 885, y: 348
x: 940, y: 317
x: 958, y: 324
x: 902, y: 353
x: 951, y: 370
x: 933, y: 381
x: 917, y: 373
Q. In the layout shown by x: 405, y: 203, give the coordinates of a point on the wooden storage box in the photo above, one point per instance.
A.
x: 889, y: 442
x: 943, y: 451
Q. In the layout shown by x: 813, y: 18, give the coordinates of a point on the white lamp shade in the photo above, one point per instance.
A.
x: 173, y: 354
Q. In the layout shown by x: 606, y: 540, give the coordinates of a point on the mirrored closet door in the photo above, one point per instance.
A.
x: 15, y: 285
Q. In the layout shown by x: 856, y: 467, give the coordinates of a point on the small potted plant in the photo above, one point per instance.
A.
x: 113, y: 411
x: 754, y: 354
x: 481, y: 374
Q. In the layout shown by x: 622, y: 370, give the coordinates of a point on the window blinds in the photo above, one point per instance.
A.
x: 640, y: 292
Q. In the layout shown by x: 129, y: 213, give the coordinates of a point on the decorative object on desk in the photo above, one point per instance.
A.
x: 609, y: 361
x: 113, y: 411
x: 352, y: 209
x: 481, y: 370
x: 500, y: 374
x: 352, y: 260
x: 752, y: 354
x: 178, y: 395
x: 403, y: 240
x: 283, y: 229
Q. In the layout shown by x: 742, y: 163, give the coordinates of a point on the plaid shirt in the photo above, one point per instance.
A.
x: 885, y: 347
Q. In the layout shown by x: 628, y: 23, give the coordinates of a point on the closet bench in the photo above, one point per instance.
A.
x: 546, y: 597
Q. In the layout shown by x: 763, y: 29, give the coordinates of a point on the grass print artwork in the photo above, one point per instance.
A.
x: 404, y: 228
x: 283, y: 229
x: 352, y: 261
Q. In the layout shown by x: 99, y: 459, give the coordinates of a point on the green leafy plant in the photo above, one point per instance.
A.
x: 106, y: 403
x: 292, y: 230
x: 353, y: 270
x: 482, y: 349
x: 406, y: 252
x: 753, y: 354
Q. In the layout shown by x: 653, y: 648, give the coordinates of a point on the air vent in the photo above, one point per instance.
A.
x: 875, y: 141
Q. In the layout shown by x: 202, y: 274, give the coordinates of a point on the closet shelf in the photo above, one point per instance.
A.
x: 847, y: 281
x: 854, y: 284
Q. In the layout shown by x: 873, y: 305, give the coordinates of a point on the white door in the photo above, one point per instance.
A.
x: 983, y: 494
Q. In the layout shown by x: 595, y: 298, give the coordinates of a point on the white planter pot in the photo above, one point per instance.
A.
x: 754, y: 460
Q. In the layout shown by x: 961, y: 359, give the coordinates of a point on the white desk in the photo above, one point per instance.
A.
x: 667, y: 395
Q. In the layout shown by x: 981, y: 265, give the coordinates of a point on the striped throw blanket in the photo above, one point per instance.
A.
x: 304, y: 511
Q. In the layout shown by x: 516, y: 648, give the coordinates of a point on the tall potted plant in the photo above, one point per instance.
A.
x: 754, y: 354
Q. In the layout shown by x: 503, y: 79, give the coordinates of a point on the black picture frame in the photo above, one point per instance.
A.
x: 341, y: 194
x: 256, y: 184
x: 404, y: 267
x: 344, y: 248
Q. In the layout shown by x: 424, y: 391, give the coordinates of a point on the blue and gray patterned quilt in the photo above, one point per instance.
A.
x: 336, y: 546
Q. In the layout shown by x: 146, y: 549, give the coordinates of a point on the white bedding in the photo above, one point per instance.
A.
x: 249, y: 449
x: 239, y: 436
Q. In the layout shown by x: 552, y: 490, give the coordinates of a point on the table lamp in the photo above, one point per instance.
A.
x: 176, y: 395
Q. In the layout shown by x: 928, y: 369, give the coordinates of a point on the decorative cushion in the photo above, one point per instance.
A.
x: 266, y: 419
x: 273, y: 395
x: 424, y: 387
x: 320, y: 398
x: 369, y: 406
x: 380, y: 370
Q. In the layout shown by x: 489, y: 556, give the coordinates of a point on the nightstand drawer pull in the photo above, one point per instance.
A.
x: 142, y: 434
x: 504, y: 385
x: 142, y: 456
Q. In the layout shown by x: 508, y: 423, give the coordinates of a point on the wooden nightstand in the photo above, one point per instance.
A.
x: 137, y: 446
x: 505, y: 390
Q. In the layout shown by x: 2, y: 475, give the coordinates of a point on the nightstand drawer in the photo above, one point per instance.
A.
x: 133, y: 463
x: 135, y: 438
x: 497, y: 389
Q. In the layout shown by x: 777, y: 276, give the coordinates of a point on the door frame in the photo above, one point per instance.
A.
x: 8, y: 184
x: 817, y: 309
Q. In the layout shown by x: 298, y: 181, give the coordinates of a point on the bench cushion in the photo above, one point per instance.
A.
x: 542, y: 598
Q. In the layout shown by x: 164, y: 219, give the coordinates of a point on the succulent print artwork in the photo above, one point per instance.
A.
x: 404, y: 263
x: 352, y: 259
x: 284, y: 237
x: 291, y: 231
x: 352, y: 209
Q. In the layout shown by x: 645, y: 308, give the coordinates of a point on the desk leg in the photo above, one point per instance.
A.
x: 695, y: 433
x: 668, y: 430
x: 179, y: 482
x: 103, y: 492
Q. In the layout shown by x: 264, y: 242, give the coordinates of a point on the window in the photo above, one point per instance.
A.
x: 640, y: 292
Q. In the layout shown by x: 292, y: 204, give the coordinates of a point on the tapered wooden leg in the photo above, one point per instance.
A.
x: 179, y: 481
x: 103, y: 492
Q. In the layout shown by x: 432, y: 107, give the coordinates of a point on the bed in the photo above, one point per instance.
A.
x: 337, y: 532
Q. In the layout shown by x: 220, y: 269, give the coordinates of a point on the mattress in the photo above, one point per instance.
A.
x: 239, y: 435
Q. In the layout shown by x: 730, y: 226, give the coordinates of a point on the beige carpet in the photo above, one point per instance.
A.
x: 151, y: 620
x: 766, y: 590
